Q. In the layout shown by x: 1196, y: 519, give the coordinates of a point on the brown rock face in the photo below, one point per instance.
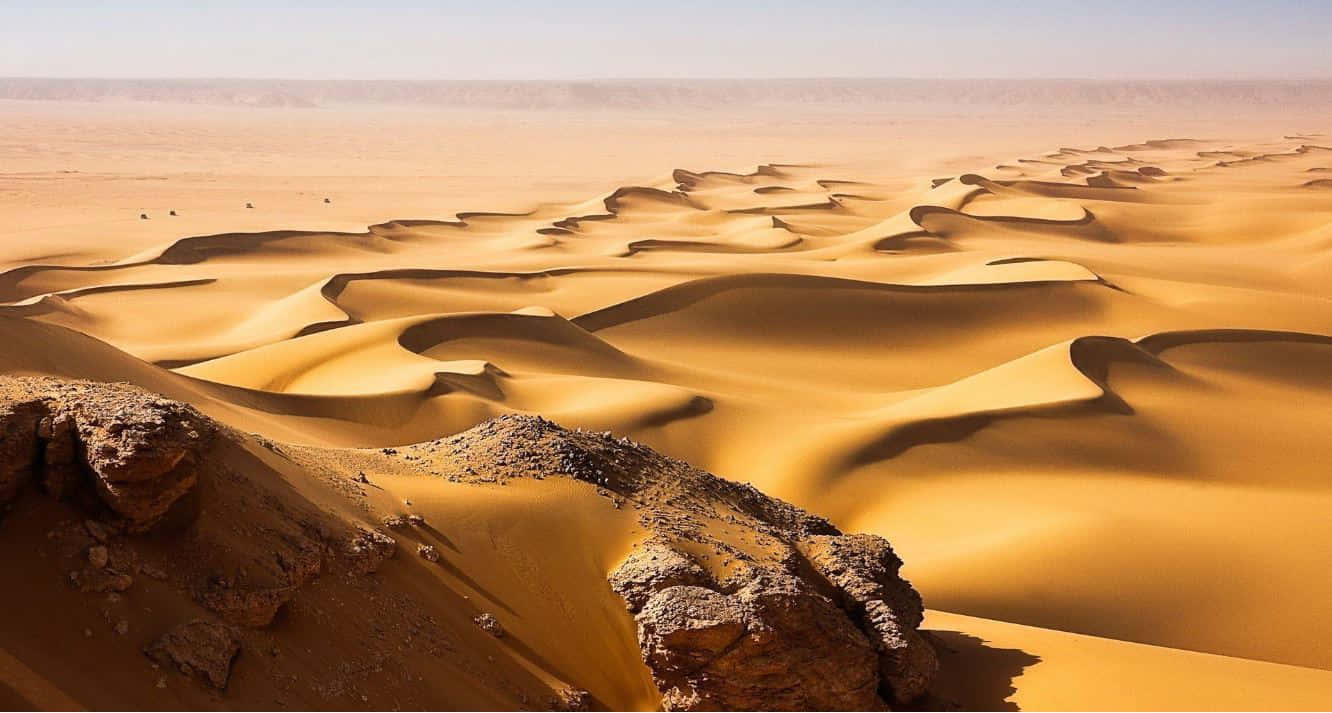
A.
x: 136, y: 451
x: 198, y: 649
x: 774, y: 645
x: 18, y: 445
x: 252, y: 607
x: 368, y: 550
x: 864, y: 570
x: 838, y: 634
x: 652, y: 568
x: 62, y: 469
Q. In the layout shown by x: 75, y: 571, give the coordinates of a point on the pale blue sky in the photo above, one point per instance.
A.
x: 1112, y: 39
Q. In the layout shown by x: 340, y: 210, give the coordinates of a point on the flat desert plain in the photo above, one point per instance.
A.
x: 1076, y: 366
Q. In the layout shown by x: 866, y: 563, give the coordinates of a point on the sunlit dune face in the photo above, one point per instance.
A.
x: 1085, y: 391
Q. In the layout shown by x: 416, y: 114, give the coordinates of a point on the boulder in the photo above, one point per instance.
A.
x: 250, y: 607
x: 774, y: 645
x: 368, y: 549
x: 198, y: 649
x: 489, y: 624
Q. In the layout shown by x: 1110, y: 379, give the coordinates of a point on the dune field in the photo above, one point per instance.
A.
x: 1077, y: 371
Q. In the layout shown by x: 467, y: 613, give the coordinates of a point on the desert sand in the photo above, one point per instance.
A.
x: 1077, y: 370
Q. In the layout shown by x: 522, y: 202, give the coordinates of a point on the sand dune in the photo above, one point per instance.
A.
x: 1085, y: 394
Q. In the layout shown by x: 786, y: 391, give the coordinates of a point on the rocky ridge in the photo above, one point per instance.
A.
x: 742, y: 601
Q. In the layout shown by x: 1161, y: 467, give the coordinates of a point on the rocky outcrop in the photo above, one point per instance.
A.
x: 136, y: 452
x: 199, y: 649
x: 252, y: 607
x: 775, y: 644
x: 836, y: 629
x: 742, y: 601
x: 864, y: 571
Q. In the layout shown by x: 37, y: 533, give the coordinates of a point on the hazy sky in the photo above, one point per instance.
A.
x: 673, y: 38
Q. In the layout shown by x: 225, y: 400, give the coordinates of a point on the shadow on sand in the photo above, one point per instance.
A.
x: 974, y: 676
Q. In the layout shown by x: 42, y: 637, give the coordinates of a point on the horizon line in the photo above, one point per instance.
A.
x: 1327, y: 78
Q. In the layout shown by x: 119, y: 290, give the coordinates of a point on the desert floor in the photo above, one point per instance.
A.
x: 1078, y: 371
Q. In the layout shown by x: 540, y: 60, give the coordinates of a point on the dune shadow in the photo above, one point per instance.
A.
x: 973, y: 675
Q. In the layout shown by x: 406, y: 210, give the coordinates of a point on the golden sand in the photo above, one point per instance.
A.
x: 1080, y: 378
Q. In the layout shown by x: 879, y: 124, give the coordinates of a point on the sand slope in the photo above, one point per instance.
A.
x: 1086, y: 393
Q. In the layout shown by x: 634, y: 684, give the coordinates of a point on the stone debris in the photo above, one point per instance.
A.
x: 198, y: 649
x: 567, y: 698
x: 489, y: 624
x: 428, y: 553
x: 369, y: 549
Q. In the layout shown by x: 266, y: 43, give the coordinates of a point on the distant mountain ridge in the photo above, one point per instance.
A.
x: 699, y: 93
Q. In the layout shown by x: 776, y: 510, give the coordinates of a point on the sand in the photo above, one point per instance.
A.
x: 1078, y: 371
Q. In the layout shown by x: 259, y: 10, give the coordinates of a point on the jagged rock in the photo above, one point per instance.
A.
x: 61, y: 471
x: 773, y: 645
x: 907, y: 662
x: 254, y: 608
x: 864, y: 568
x: 138, y: 451
x: 864, y: 571
x: 428, y: 553
x: 652, y: 568
x: 489, y: 624
x: 369, y: 549
x: 199, y: 649
x: 18, y: 445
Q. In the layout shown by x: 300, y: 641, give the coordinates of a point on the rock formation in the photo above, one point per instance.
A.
x: 742, y: 601
x: 138, y: 453
x: 198, y: 649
